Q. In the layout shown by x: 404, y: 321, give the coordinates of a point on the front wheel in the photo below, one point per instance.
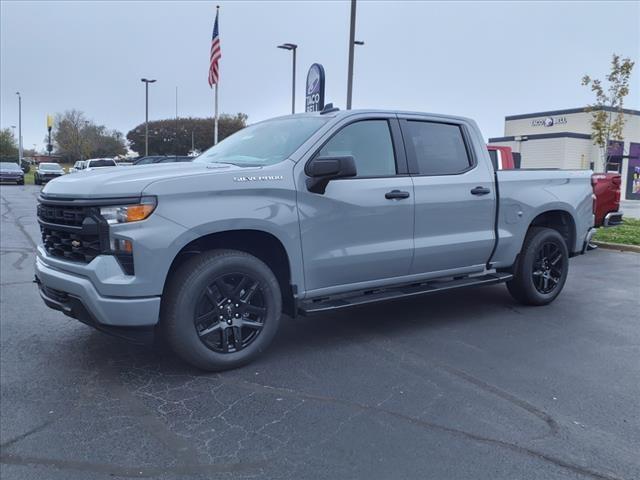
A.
x: 542, y: 267
x: 221, y: 309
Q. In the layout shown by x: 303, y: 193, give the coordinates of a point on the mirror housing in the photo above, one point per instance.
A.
x: 324, y: 169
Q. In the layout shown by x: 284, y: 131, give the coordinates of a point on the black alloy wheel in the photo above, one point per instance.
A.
x: 541, y: 269
x: 230, y: 313
x: 221, y: 309
x: 548, y: 267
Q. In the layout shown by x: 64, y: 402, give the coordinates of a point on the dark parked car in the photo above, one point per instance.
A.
x: 162, y: 159
x: 46, y: 172
x: 11, y: 172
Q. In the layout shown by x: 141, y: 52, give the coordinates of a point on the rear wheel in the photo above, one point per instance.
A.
x: 221, y: 309
x: 542, y: 267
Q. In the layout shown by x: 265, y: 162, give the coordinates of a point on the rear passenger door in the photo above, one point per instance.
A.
x: 454, y: 194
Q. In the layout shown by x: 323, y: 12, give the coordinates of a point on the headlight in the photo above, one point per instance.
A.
x: 129, y: 213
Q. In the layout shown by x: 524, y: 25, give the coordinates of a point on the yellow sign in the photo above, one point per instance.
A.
x: 49, y: 121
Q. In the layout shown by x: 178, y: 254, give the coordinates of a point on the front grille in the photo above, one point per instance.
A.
x: 62, y: 215
x: 77, y: 246
x: 71, y: 232
x: 77, y: 233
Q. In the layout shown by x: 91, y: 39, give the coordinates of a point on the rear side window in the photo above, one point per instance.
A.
x: 438, y: 148
x: 369, y: 142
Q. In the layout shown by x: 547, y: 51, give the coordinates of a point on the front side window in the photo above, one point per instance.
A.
x: 369, y: 142
x: 438, y: 148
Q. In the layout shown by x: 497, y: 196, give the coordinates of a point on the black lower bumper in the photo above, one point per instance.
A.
x: 74, y: 308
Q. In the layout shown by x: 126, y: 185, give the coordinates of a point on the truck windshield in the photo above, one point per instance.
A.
x: 264, y: 143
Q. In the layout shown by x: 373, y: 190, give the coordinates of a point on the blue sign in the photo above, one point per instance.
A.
x: 315, y: 88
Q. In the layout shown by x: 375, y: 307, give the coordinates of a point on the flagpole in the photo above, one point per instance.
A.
x: 215, y: 121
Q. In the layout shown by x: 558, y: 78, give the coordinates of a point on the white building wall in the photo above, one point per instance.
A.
x: 577, y: 153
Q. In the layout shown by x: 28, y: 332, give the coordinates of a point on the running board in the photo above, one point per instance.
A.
x: 324, y: 304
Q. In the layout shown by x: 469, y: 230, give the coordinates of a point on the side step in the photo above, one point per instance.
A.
x: 353, y: 299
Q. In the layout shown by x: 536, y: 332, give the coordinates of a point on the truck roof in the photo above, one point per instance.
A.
x: 347, y: 113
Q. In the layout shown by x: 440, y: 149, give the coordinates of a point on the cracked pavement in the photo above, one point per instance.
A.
x: 458, y: 385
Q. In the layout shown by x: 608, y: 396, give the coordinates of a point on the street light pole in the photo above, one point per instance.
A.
x: 19, y: 128
x: 146, y: 114
x: 352, y: 38
x: 293, y: 47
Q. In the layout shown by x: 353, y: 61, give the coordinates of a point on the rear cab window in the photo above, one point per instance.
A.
x: 436, y: 148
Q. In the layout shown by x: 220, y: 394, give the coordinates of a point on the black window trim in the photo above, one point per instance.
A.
x: 412, y: 161
x: 399, y: 152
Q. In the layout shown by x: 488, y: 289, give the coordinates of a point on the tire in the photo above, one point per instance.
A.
x: 205, y: 306
x: 541, y: 269
x: 37, y: 181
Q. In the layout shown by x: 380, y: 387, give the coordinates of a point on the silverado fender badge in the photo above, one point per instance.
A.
x: 260, y: 178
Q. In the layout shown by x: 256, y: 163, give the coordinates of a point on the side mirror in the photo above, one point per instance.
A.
x: 324, y: 169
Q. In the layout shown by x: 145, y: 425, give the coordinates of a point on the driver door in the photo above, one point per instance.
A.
x: 359, y: 232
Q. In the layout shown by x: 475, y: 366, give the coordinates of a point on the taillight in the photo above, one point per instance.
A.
x: 594, y: 201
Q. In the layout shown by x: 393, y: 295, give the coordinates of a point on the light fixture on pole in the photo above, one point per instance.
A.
x: 146, y: 114
x: 293, y: 47
x: 19, y: 127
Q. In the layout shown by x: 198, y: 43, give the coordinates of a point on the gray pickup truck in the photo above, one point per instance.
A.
x: 302, y: 214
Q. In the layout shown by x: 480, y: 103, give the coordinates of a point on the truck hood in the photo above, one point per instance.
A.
x: 127, y: 181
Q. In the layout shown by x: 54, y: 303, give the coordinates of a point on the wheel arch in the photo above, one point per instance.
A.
x: 259, y: 243
x: 560, y: 220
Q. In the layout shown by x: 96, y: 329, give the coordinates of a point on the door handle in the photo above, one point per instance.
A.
x: 480, y: 191
x: 396, y: 194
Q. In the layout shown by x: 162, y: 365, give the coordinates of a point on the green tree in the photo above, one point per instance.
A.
x: 8, y: 145
x: 76, y: 137
x: 171, y: 137
x: 607, y: 121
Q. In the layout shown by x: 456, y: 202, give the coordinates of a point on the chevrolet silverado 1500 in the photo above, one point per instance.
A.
x: 303, y: 214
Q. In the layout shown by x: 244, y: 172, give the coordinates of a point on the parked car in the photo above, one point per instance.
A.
x: 47, y: 171
x: 162, y: 159
x: 380, y: 205
x: 94, y: 163
x: 78, y: 166
x: 11, y: 172
x: 606, y: 187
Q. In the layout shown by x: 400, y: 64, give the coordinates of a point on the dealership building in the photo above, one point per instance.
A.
x: 562, y: 139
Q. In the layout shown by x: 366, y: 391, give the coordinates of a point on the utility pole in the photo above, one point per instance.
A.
x: 293, y: 47
x: 146, y: 114
x: 19, y: 128
x: 352, y: 38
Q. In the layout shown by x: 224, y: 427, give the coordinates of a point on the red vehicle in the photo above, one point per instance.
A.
x: 606, y: 186
x: 501, y: 157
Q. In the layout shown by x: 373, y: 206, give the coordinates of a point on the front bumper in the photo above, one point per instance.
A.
x: 76, y: 296
x: 11, y: 178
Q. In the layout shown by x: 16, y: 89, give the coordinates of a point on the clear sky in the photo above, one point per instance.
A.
x: 483, y: 60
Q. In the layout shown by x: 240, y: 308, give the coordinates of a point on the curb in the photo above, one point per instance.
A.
x: 617, y: 246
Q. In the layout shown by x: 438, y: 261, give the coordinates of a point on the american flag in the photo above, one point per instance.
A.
x: 215, y: 55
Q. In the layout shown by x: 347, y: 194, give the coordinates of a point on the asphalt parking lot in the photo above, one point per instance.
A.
x: 466, y: 385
